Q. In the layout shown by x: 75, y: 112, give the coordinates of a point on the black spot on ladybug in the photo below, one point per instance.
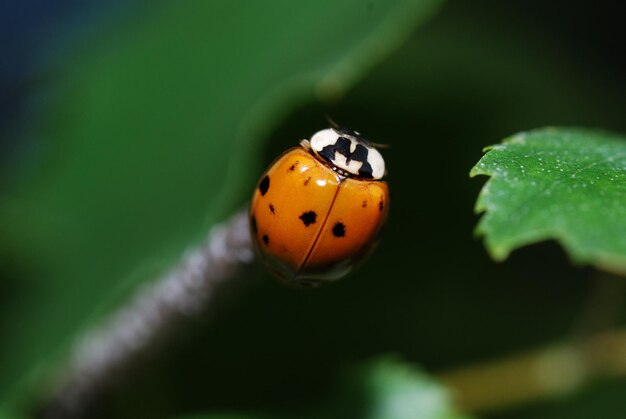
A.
x: 307, y: 180
x: 266, y: 239
x: 339, y: 230
x: 364, y: 204
x: 293, y: 166
x: 380, y: 205
x: 253, y: 224
x: 264, y: 185
x: 272, y: 209
x: 308, y: 218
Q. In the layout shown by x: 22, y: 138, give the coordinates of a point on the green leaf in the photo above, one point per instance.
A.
x: 395, y: 390
x: 555, y: 183
x: 153, y: 135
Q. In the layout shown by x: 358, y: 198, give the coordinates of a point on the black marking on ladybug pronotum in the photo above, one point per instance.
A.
x: 339, y: 230
x: 272, y: 209
x: 364, y: 204
x: 293, y: 166
x: 380, y: 205
x: 253, y: 224
x: 342, y: 146
x: 308, y: 218
x: 264, y: 185
x: 307, y: 180
x: 266, y: 239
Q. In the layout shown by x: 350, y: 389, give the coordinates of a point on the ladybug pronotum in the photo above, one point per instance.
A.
x: 320, y: 207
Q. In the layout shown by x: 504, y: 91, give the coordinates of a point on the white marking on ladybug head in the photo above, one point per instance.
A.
x: 348, y: 152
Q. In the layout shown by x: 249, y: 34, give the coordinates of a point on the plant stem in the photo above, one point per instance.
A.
x: 157, y: 307
x: 538, y: 375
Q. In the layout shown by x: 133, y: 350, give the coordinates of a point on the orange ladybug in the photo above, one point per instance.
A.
x: 320, y: 207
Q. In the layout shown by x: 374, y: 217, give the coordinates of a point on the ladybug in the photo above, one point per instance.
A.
x: 319, y: 208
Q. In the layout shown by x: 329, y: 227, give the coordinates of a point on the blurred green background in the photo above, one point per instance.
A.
x: 129, y: 129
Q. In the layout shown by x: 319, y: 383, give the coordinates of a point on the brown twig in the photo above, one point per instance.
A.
x: 156, y: 308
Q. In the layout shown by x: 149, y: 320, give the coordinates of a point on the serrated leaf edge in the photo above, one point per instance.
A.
x: 500, y: 251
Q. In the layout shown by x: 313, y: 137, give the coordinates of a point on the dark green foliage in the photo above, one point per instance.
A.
x: 150, y: 140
